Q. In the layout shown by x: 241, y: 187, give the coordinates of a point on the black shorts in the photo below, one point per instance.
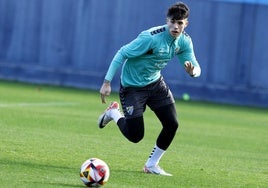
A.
x: 135, y: 99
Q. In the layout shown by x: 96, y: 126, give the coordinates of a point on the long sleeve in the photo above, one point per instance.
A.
x: 136, y: 48
x: 187, y: 54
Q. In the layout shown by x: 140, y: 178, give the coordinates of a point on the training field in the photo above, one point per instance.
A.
x: 47, y: 132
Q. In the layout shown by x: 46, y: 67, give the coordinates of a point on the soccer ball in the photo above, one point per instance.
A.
x: 94, y: 172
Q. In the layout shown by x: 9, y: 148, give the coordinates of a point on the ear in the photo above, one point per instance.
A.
x: 186, y: 24
x: 167, y: 20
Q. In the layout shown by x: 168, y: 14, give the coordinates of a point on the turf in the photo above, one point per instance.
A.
x: 48, y: 132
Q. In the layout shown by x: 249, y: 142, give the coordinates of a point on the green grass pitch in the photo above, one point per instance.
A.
x: 47, y: 132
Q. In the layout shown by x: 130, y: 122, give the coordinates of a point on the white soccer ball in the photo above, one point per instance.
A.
x: 94, y: 172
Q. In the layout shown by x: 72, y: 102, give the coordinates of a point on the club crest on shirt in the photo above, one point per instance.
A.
x: 130, y: 109
x: 177, y: 50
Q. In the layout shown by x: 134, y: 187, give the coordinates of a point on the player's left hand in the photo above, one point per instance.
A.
x: 189, y: 68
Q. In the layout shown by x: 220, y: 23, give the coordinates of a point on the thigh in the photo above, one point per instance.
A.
x: 167, y: 115
x: 160, y: 95
x: 133, y: 101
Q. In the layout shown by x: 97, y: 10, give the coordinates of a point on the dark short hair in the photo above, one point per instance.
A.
x: 178, y: 11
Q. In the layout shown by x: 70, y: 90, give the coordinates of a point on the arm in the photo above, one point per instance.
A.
x: 188, y: 59
x: 136, y: 48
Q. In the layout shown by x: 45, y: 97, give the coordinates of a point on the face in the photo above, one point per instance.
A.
x: 176, y: 27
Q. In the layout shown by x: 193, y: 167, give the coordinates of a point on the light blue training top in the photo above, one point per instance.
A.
x: 145, y: 57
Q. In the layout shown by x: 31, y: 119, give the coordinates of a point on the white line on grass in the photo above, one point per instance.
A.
x: 24, y: 104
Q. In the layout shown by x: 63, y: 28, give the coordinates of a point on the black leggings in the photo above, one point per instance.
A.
x: 133, y: 129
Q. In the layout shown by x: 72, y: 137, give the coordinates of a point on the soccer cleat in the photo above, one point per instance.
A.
x: 155, y: 170
x: 105, y: 117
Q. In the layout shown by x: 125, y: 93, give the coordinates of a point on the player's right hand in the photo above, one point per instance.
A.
x: 105, y: 90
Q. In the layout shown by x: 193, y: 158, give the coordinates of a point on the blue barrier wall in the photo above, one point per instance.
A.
x: 71, y: 43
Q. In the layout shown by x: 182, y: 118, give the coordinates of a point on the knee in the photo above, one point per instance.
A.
x: 135, y: 138
x: 172, y: 125
x: 175, y: 125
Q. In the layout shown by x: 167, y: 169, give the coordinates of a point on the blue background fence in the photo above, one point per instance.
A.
x: 71, y: 43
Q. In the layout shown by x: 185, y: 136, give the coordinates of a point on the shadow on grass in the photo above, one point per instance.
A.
x: 55, y: 172
x: 31, y: 165
x: 58, y: 184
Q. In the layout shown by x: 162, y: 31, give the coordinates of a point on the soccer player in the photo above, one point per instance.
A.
x: 143, y: 85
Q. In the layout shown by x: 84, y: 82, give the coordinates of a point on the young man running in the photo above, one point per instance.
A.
x: 143, y: 85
